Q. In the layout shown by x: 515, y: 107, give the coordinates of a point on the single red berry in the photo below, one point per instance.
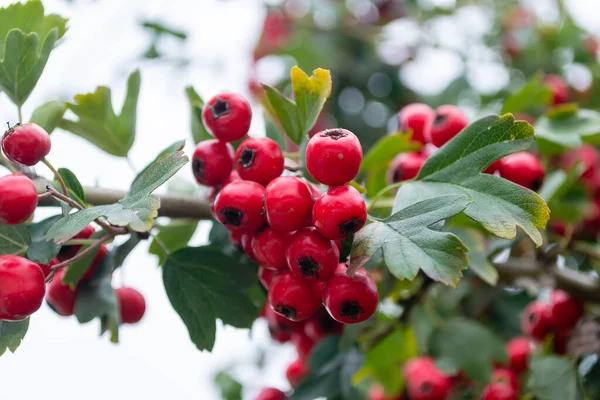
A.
x: 280, y: 328
x: 131, y: 304
x: 47, y: 268
x: 18, y: 199
x: 266, y: 276
x: 247, y: 246
x: 22, y: 287
x: 425, y: 381
x: 505, y: 376
x: 304, y: 345
x: 294, y: 298
x: 239, y: 206
x: 339, y: 212
x: 418, y: 119
x: 26, y: 144
x: 296, y: 372
x: 60, y: 296
x: 333, y: 156
x: 259, y: 160
x: 449, y: 121
x: 270, y: 394
x: 499, y: 391
x: 523, y: 169
x: 321, y: 325
x: 214, y: 190
x: 212, y: 162
x: 589, y: 158
x: 376, y: 392
x: 311, y: 256
x: 564, y: 311
x: 405, y: 166
x: 558, y: 87
x: 534, y: 320
x: 227, y: 116
x: 288, y: 204
x: 519, y: 349
x: 269, y: 246
x: 68, y: 252
x: 493, y: 167
x: 350, y: 300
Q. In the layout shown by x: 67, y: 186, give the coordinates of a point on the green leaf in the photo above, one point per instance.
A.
x: 229, y: 387
x: 533, y: 93
x: 409, y: 243
x: 204, y: 284
x: 173, y: 148
x: 565, y: 196
x: 98, y: 122
x: 96, y: 299
x: 77, y: 270
x: 12, y: 334
x: 199, y: 132
x: 386, y: 149
x: 478, y: 257
x: 556, y: 135
x: 74, y: 187
x: 552, y: 378
x: 121, y: 252
x: 41, y: 250
x: 273, y: 132
x: 49, y: 115
x: 499, y: 205
x: 454, y: 342
x: 172, y: 237
x: 14, y: 239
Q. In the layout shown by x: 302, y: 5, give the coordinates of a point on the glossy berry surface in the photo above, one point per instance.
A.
x: 247, y: 245
x: 339, y: 212
x: 259, y: 160
x: 280, y: 328
x: 270, y: 394
x: 425, y: 381
x: 405, y: 166
x: 296, y: 372
x: 227, y: 117
x: 67, y: 252
x: 523, y: 169
x: 288, y: 204
x: 499, y: 391
x: 47, y: 268
x: 333, y: 156
x: 519, y: 350
x: 449, y: 121
x: 350, y: 300
x: 239, y: 206
x: 266, y: 276
x: 61, y: 297
x: 534, y: 320
x: 212, y: 162
x: 268, y: 246
x: 563, y: 312
x: 26, y: 144
x: 131, y: 304
x: 416, y: 118
x: 293, y: 298
x: 558, y: 87
x: 311, y: 256
x: 18, y: 199
x: 22, y: 287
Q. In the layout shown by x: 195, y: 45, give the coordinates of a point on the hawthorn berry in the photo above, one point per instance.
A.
x: 425, y: 381
x: 268, y: 246
x: 18, y: 199
x: 26, y: 144
x: 214, y: 190
x: 132, y: 305
x: 350, y: 300
x: 558, y: 87
x: 67, y: 252
x: 333, y: 156
x: 405, y: 166
x: 239, y: 206
x: 304, y: 345
x: 499, y: 391
x: 418, y: 119
x: 288, y: 204
x: 523, y: 169
x: 22, y: 287
x: 227, y: 116
x: 293, y: 298
x: 266, y: 276
x: 60, y: 296
x: 296, y: 372
x: 493, y: 167
x: 321, y: 325
x: 270, y: 394
x: 212, y: 162
x: 449, y: 121
x: 534, y: 321
x: 47, y: 268
x: 563, y: 312
x: 247, y: 245
x: 311, y: 256
x: 339, y: 212
x: 102, y: 251
x: 519, y: 349
x: 259, y: 160
x: 280, y: 328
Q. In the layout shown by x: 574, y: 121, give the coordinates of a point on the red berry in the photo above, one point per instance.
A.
x: 296, y: 372
x: 212, y: 162
x: 95, y: 263
x: 268, y: 246
x: 558, y: 87
x: 564, y: 311
x: 60, y: 296
x: 523, y: 169
x: 321, y: 325
x: 339, y: 212
x: 425, y: 381
x: 499, y: 391
x: 47, y: 268
x: 67, y: 252
x: 18, y: 199
x: 266, y: 276
x: 22, y: 287
x: 534, y: 321
x: 26, y: 144
x: 280, y: 328
x: 131, y: 304
x: 311, y: 256
x: 417, y: 118
x: 293, y: 298
x: 519, y: 349
x: 304, y: 345
x: 350, y: 300
x: 247, y: 245
x: 259, y: 160
x: 506, y: 377
x: 493, y: 167
x: 376, y: 392
x: 271, y: 394
x: 560, y: 341
x: 227, y: 116
x: 333, y: 156
x: 214, y: 191
x: 239, y: 206
x: 449, y: 121
x: 405, y: 166
x: 288, y: 204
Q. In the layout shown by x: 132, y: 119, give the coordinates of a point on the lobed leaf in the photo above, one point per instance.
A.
x: 49, y: 115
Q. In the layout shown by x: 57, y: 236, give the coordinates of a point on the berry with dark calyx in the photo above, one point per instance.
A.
x: 60, y: 296
x: 418, y: 119
x: 293, y: 298
x: 558, y: 87
x: 296, y: 372
x: 563, y: 311
x: 449, y: 121
x: 499, y: 391
x: 268, y: 246
x: 523, y: 169
x: 505, y: 376
x: 67, y: 252
x: 266, y: 276
x: 304, y: 345
x: 259, y: 160
x: 227, y: 117
x: 534, y: 321
x: 239, y: 206
x: 280, y: 328
x: 47, y: 268
x: 350, y: 300
x: 321, y: 325
x: 212, y: 162
x: 339, y: 212
x: 519, y: 349
x: 425, y: 381
x: 26, y: 144
x: 288, y: 204
x: 405, y: 166
x: 22, y: 287
x: 271, y: 394
x: 311, y: 256
x: 18, y: 199
x: 131, y: 304
x: 333, y: 156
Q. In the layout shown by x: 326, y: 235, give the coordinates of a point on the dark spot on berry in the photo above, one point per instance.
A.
x: 220, y: 108
x: 231, y: 216
x: 440, y: 119
x: 309, y: 267
x: 198, y: 168
x: 288, y: 312
x: 247, y: 157
x: 351, y: 309
x: 334, y: 134
x: 350, y: 226
x: 397, y: 177
x: 536, y: 185
x: 426, y: 387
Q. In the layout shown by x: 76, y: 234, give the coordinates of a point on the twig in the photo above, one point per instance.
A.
x: 78, y: 256
x: 57, y: 176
